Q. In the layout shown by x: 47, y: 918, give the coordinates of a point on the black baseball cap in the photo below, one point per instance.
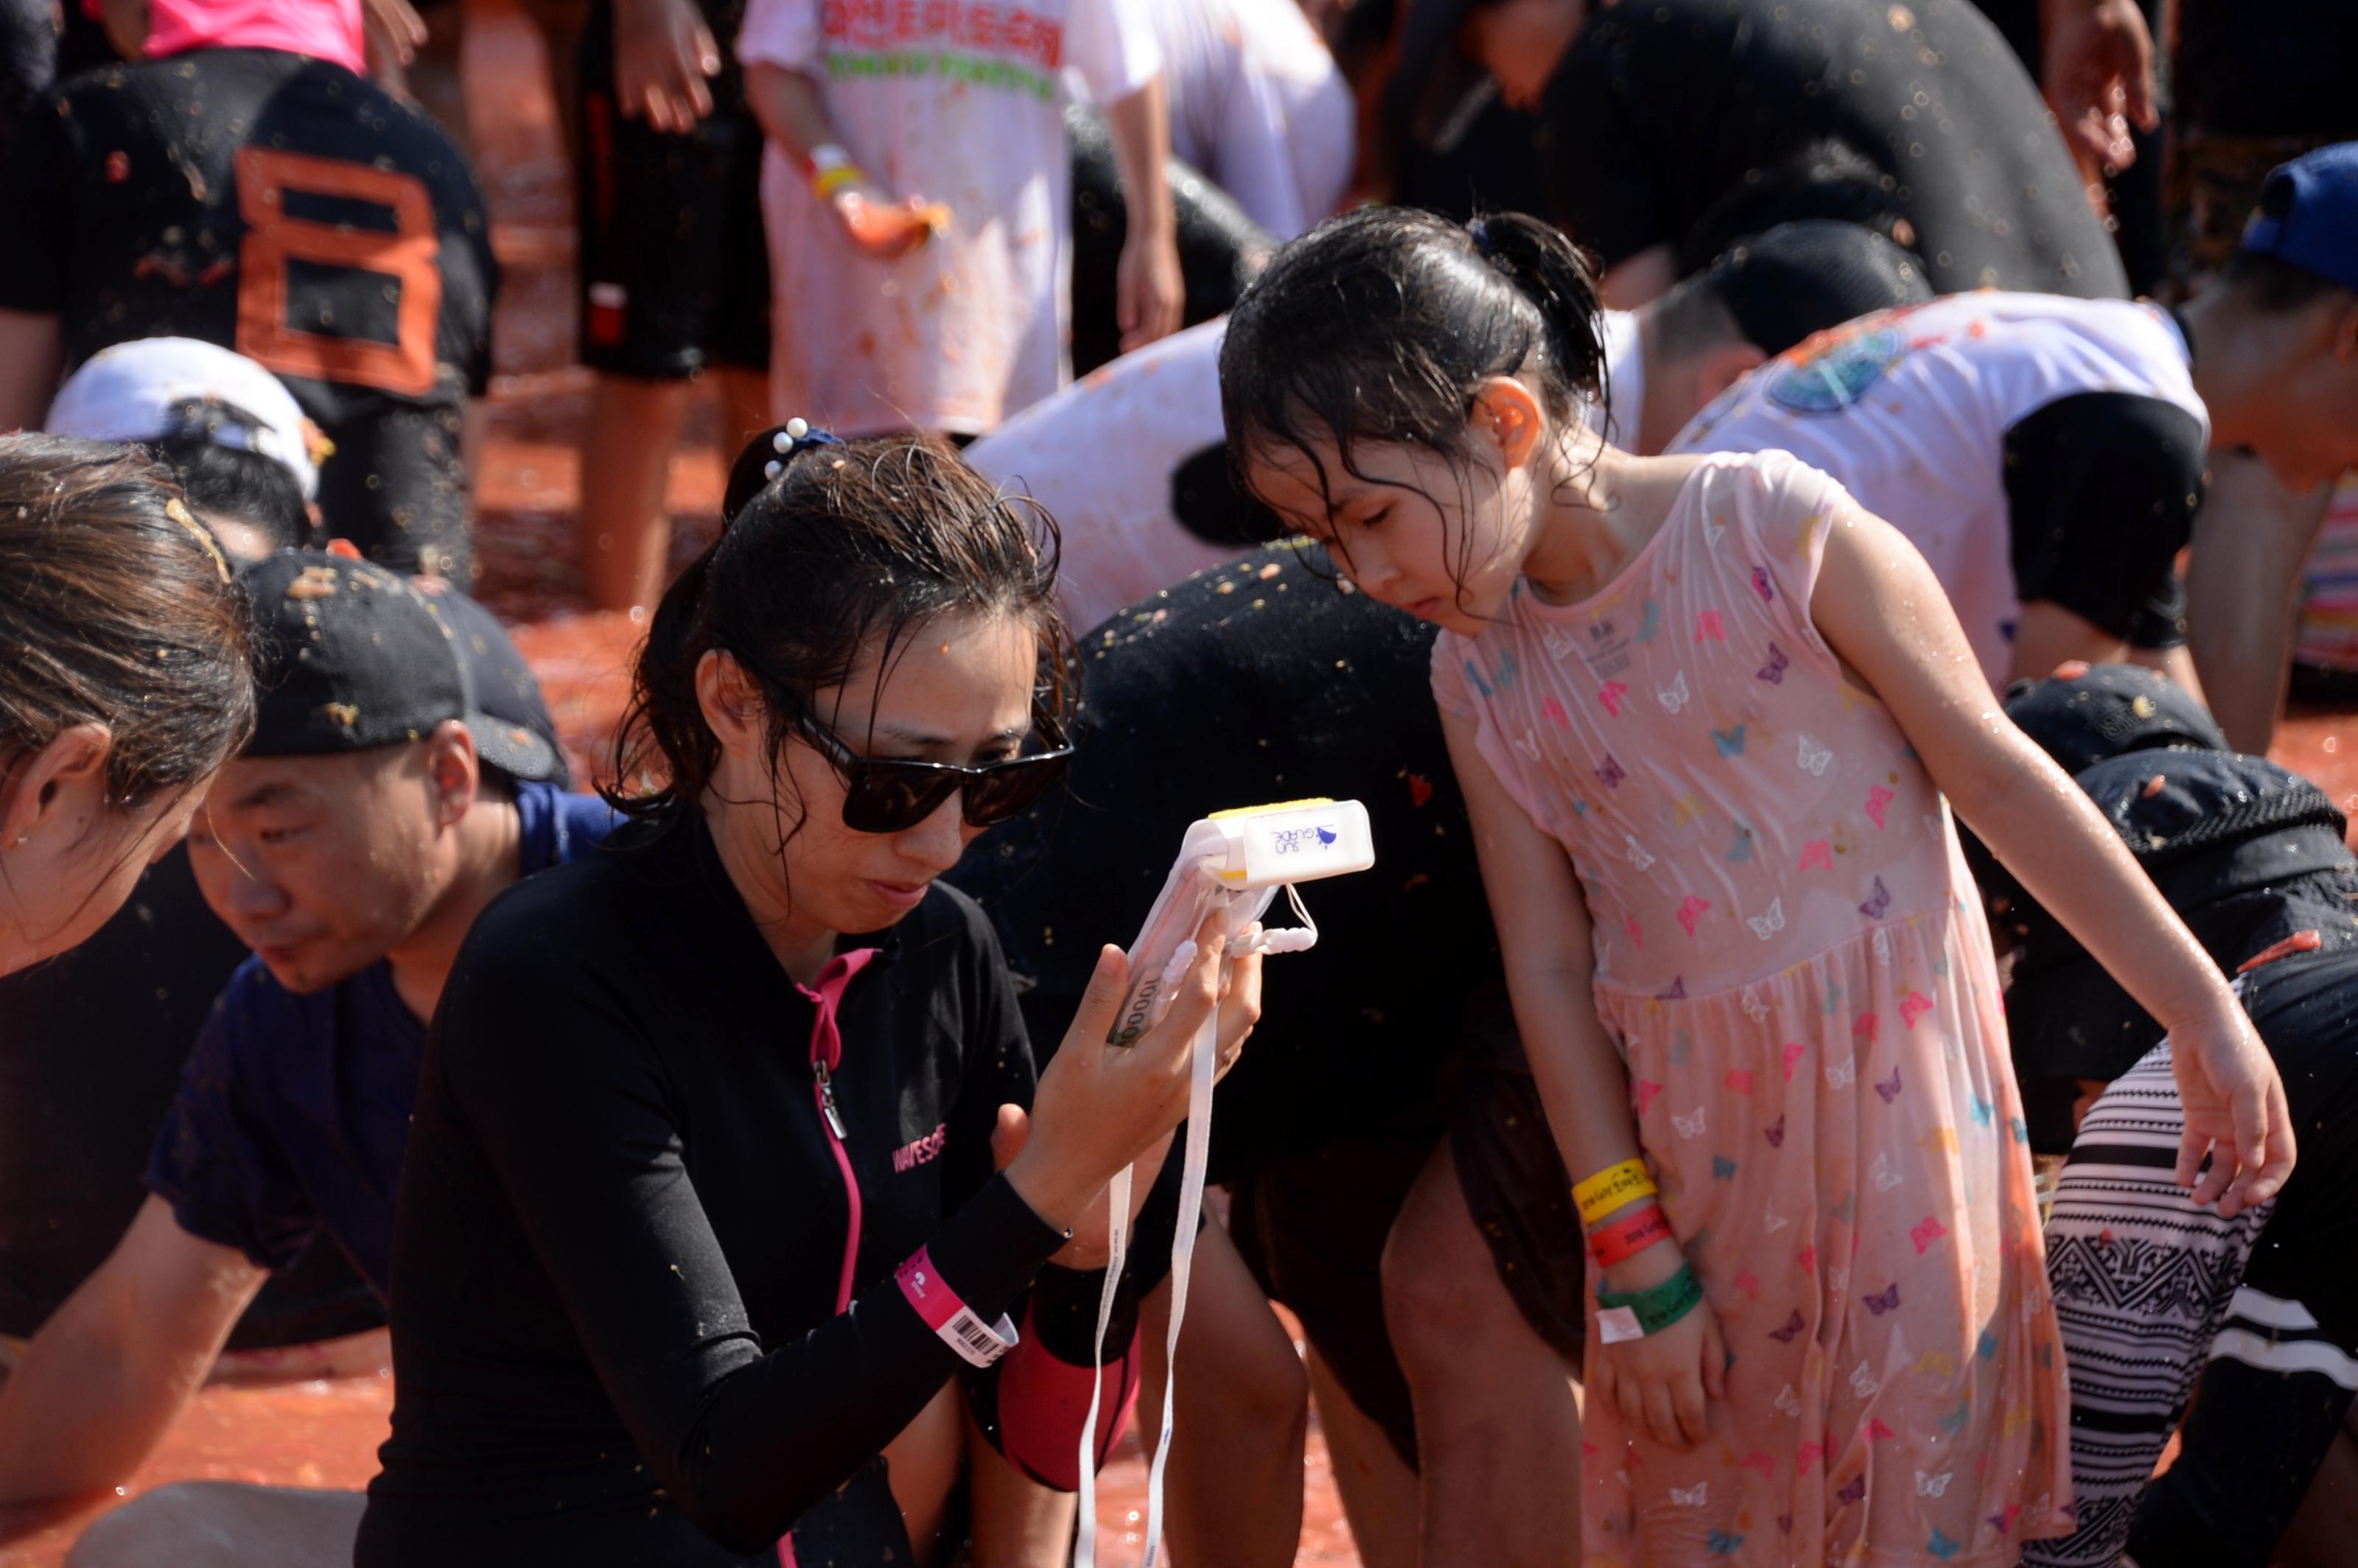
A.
x: 512, y: 727
x: 1809, y: 275
x: 2244, y: 852
x: 2084, y: 713
x: 350, y: 656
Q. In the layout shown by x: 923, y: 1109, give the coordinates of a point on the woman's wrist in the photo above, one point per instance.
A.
x: 1056, y: 1194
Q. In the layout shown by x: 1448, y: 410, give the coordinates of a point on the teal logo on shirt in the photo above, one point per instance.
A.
x: 1838, y: 374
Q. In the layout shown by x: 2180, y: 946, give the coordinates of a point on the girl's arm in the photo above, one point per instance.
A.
x: 1659, y: 1383
x: 1880, y: 608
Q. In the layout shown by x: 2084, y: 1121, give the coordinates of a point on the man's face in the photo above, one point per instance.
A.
x: 2315, y: 437
x: 324, y: 865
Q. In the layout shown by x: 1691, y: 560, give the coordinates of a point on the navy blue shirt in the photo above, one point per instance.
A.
x: 293, y: 1110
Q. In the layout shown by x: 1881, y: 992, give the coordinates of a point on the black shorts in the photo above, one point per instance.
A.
x: 675, y: 269
x: 1313, y: 1230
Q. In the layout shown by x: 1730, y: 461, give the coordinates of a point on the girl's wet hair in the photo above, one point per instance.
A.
x: 116, y: 609
x: 845, y: 550
x: 1377, y: 326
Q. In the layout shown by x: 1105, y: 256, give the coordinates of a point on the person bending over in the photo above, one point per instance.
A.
x: 375, y: 811
x: 1651, y: 115
x: 1256, y: 679
x: 98, y: 1036
x: 700, y: 1212
x: 233, y: 435
x: 2047, y: 455
x: 123, y: 684
x: 2261, y: 1326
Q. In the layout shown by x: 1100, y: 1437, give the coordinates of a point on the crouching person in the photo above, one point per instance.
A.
x: 376, y: 811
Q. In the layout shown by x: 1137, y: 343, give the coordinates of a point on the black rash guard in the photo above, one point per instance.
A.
x: 620, y: 1260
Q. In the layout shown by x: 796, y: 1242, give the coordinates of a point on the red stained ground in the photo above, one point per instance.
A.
x: 324, y: 1433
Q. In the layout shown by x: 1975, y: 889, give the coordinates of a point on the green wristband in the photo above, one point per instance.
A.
x: 1633, y: 1314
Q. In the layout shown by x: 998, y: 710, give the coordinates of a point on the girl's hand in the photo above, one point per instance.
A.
x: 1100, y: 1107
x: 1660, y: 1383
x: 2236, y: 1113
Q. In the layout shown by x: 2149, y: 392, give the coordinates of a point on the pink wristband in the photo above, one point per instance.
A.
x: 953, y: 1321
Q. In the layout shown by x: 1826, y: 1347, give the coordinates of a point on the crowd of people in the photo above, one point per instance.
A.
x: 1792, y: 516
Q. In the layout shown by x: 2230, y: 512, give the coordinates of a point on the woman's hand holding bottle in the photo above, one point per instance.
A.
x: 1101, y: 1106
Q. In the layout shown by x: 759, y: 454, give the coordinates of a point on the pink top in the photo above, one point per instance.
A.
x: 1791, y: 960
x: 323, y: 29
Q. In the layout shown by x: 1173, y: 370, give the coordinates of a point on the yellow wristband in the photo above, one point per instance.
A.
x: 827, y: 181
x: 1611, y: 1187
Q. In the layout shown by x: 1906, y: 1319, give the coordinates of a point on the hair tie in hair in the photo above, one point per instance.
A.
x: 795, y: 436
x: 1479, y: 229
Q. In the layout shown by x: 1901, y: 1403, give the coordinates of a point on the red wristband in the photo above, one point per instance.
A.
x: 1628, y: 1235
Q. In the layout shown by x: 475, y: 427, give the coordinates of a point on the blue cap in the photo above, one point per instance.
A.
x: 2307, y: 216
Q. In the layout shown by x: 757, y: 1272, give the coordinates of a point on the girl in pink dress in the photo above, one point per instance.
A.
x: 1710, y: 720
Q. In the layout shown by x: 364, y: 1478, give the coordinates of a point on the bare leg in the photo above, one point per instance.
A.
x: 921, y: 1468
x: 1017, y: 1522
x: 1497, y: 1431
x: 1378, y: 1488
x: 2176, y: 664
x: 224, y: 1524
x: 1241, y: 1417
x: 2046, y: 634
x: 2322, y: 1531
x: 625, y: 466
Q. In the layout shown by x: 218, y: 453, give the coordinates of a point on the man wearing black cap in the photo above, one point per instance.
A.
x: 378, y: 810
x: 2151, y: 1290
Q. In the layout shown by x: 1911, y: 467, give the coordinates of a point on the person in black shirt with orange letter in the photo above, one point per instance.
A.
x: 276, y: 203
x: 699, y: 1215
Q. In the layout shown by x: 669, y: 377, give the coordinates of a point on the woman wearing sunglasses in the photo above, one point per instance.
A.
x: 704, y: 1209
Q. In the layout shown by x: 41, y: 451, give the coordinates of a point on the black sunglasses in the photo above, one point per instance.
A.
x: 887, y: 795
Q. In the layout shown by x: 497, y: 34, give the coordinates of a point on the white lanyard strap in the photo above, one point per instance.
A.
x: 1182, y: 1242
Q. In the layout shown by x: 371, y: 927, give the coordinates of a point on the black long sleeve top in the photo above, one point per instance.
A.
x: 623, y: 1221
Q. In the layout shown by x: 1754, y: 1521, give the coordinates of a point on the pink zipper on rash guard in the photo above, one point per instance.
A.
x: 826, y: 1055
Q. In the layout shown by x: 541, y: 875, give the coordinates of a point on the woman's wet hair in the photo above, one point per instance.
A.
x: 116, y: 609
x: 1377, y: 326
x: 829, y: 553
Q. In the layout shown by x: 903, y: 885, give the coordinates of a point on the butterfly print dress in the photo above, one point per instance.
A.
x: 1788, y: 956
